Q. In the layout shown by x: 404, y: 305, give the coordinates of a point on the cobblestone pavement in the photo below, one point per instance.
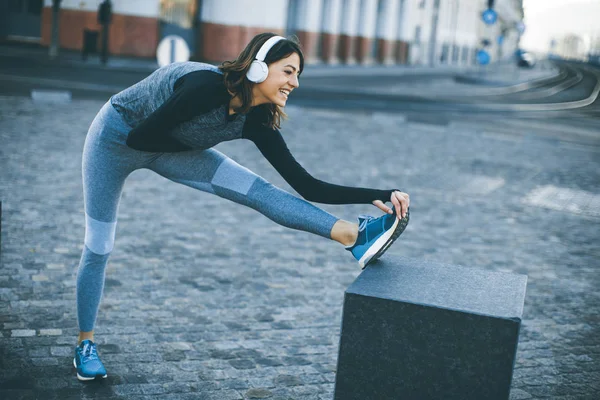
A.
x: 205, y: 299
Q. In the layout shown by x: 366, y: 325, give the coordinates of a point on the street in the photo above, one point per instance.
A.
x: 205, y: 299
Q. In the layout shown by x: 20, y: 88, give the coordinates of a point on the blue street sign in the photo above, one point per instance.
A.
x: 489, y: 16
x: 500, y: 40
x: 520, y: 27
x: 483, y: 57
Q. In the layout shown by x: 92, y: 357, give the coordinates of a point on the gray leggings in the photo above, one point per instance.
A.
x: 107, y: 161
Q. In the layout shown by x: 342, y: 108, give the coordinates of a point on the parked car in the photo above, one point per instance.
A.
x: 525, y: 59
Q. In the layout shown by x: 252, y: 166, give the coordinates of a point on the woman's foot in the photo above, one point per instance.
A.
x: 375, y: 235
x: 87, y: 362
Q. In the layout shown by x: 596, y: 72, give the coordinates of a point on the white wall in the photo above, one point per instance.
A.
x: 469, y: 16
x: 507, y: 10
x: 412, y: 17
x: 368, y: 18
x: 139, y: 8
x: 387, y: 19
x: 458, y: 25
x: 332, y: 10
x: 253, y: 13
x: 350, y: 16
x: 309, y: 18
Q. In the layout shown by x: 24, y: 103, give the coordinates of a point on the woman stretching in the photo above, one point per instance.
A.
x: 168, y: 123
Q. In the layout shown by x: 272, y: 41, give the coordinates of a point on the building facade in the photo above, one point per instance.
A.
x: 425, y: 32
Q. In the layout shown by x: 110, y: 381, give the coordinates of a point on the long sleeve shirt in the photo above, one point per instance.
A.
x: 185, y: 106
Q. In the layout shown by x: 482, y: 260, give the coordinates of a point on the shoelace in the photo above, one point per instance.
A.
x: 364, y: 220
x: 89, y: 352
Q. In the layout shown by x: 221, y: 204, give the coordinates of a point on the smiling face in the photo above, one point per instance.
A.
x: 282, y: 79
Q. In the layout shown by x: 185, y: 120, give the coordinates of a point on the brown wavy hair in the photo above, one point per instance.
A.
x: 234, y: 72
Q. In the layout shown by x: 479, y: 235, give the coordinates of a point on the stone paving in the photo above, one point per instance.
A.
x: 205, y: 299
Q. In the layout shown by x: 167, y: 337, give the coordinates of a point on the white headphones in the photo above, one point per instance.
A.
x: 259, y: 70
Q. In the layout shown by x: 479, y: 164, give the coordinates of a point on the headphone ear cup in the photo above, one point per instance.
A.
x: 257, y: 72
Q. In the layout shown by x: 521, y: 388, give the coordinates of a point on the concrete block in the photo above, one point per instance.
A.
x: 414, y: 329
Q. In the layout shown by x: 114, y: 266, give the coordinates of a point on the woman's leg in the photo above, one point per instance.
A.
x: 344, y: 232
x: 106, y: 164
x: 211, y: 171
x: 102, y: 192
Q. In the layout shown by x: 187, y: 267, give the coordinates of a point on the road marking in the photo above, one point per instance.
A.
x: 463, y: 184
x: 564, y: 199
x: 51, y: 96
x: 482, y: 185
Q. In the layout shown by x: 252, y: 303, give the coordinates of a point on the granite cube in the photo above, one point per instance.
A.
x: 415, y: 329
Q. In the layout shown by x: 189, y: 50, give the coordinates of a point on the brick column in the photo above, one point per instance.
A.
x: 307, y: 28
x: 404, y: 32
x: 227, y: 27
x: 332, y: 10
x: 350, y: 15
x: 386, y: 30
x: 366, y: 31
x: 402, y: 51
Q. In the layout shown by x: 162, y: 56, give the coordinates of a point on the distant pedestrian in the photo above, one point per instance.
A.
x: 170, y: 121
x: 104, y: 19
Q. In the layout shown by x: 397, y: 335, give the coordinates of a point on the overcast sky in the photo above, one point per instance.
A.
x: 547, y: 19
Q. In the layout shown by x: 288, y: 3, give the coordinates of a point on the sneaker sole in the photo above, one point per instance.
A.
x: 384, y: 242
x: 85, y: 378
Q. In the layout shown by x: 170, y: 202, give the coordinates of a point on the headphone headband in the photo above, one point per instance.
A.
x: 264, y: 49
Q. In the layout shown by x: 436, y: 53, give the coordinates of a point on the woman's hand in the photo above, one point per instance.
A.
x: 400, y: 200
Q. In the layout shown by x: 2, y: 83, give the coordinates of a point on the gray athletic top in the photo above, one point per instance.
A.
x: 139, y: 101
x: 185, y: 106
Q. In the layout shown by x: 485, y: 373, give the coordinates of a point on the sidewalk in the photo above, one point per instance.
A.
x: 495, y: 74
x: 206, y: 299
x: 74, y: 58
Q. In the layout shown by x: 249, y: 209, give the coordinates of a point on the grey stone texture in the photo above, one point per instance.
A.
x: 417, y: 329
x: 205, y: 299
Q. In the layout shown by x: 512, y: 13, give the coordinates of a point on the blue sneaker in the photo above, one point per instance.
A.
x: 375, y: 235
x: 89, y: 366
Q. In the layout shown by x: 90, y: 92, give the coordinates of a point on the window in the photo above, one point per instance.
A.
x: 418, y: 34
x: 465, y: 54
x: 445, y: 51
x: 178, y: 12
x: 422, y: 4
x: 455, y: 53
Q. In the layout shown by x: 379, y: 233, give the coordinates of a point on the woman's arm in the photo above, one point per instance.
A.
x: 194, y: 94
x: 273, y: 147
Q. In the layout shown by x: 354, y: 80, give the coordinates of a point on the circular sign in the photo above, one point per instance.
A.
x: 489, y: 16
x: 172, y: 49
x: 483, y: 57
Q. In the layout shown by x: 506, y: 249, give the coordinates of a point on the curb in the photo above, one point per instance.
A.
x: 74, y: 59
